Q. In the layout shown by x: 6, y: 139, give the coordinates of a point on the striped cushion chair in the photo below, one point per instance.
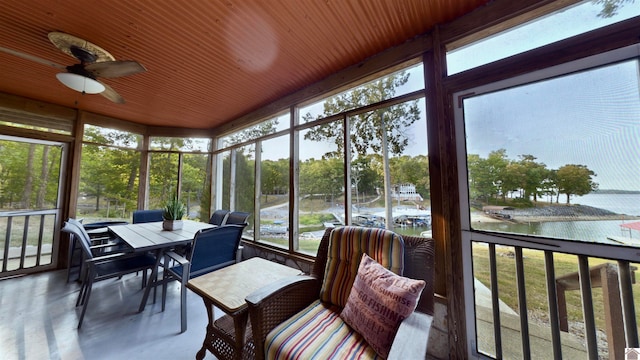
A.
x: 310, y: 326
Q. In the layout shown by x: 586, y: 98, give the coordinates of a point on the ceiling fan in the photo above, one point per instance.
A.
x: 95, y: 63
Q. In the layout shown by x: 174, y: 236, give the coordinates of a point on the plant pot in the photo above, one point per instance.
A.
x: 171, y: 225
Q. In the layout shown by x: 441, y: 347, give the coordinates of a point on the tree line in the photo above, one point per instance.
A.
x: 497, y: 177
x: 325, y: 177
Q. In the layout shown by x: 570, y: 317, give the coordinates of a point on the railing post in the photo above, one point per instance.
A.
x: 7, y: 244
x: 626, y: 279
x: 552, y: 298
x: 587, y: 307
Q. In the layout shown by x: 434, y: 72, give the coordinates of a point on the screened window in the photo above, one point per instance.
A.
x: 339, y: 170
x: 391, y: 143
x: 243, y: 185
x: 321, y: 182
x: 180, y: 167
x: 386, y: 87
x: 270, y: 126
x: 109, y: 174
x: 274, y: 194
x: 559, y: 157
x: 550, y: 194
x: 563, y: 24
x: 179, y: 144
x: 163, y: 178
x: 111, y: 137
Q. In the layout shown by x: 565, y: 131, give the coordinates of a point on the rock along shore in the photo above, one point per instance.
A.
x: 548, y: 213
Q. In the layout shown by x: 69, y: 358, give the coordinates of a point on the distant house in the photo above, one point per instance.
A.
x: 405, y: 192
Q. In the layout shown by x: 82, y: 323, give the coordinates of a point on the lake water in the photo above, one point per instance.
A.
x: 619, y: 203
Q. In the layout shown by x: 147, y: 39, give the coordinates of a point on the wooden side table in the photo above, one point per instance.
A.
x: 226, y: 289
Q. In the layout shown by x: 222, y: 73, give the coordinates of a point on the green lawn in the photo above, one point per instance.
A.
x: 536, y: 288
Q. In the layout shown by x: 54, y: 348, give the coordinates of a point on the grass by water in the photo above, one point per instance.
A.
x: 535, y: 282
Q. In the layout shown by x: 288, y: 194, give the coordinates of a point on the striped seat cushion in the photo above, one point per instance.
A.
x: 317, y: 332
x: 346, y: 246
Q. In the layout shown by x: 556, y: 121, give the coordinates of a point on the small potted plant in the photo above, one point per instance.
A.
x: 173, y: 213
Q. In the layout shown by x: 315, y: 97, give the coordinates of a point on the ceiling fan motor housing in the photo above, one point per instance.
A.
x: 79, y: 69
x: 85, y: 56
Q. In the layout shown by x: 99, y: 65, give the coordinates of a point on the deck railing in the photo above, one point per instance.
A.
x: 558, y: 313
x: 30, y: 241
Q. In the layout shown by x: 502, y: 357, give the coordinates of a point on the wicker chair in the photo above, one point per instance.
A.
x: 277, y: 302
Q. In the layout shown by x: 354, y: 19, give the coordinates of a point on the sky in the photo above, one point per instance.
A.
x: 590, y: 118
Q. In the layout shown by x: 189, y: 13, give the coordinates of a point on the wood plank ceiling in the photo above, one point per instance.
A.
x: 208, y: 62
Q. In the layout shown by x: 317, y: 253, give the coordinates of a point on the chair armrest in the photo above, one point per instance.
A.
x: 274, y: 303
x: 412, y: 337
x: 176, y: 257
x: 109, y: 257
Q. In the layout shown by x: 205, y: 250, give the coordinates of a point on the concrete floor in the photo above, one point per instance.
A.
x: 38, y: 320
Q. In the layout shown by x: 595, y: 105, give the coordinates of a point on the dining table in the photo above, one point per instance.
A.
x: 153, y: 238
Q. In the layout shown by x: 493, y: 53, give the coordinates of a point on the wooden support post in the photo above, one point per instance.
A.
x: 562, y: 307
x: 613, y: 311
x: 606, y: 277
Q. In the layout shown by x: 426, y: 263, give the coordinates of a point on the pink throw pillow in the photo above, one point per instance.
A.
x: 378, y: 302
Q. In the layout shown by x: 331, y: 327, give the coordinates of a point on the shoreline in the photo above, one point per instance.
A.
x: 480, y: 217
x: 554, y: 213
x: 528, y: 219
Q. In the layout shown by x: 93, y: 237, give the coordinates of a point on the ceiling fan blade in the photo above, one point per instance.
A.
x: 111, y: 94
x: 32, y: 58
x: 113, y: 69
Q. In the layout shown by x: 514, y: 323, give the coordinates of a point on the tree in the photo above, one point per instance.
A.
x: 367, y: 128
x: 44, y: 179
x: 381, y: 131
x: 535, y: 173
x: 487, y: 176
x: 244, y: 184
x: 28, y: 183
x: 514, y: 178
x: 274, y: 177
x: 322, y: 177
x: 550, y: 185
x: 194, y: 185
x: 611, y: 7
x: 364, y: 176
x: 575, y: 180
x: 110, y: 172
x: 254, y: 132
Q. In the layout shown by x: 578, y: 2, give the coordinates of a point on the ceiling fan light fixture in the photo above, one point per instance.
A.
x: 80, y: 83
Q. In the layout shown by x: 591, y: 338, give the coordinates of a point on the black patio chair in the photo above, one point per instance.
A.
x: 99, y: 235
x: 237, y: 218
x: 100, y: 266
x: 144, y: 216
x: 212, y: 249
x: 219, y: 217
x: 99, y: 230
